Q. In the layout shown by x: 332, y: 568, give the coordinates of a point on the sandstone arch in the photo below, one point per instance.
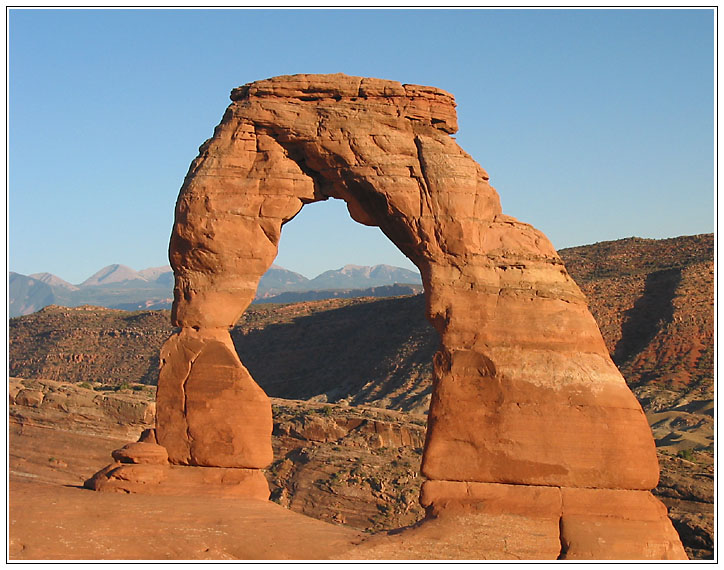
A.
x: 528, y: 408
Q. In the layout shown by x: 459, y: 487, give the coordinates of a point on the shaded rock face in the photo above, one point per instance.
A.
x: 525, y: 392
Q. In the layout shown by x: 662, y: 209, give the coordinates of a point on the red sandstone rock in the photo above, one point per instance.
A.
x: 30, y: 398
x: 478, y: 521
x: 210, y: 411
x: 602, y: 524
x: 591, y: 524
x: 318, y: 429
x: 216, y: 482
x: 149, y: 436
x: 141, y: 452
x: 143, y: 467
x: 525, y: 392
x: 177, y: 480
x: 127, y: 478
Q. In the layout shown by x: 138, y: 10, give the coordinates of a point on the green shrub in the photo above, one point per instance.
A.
x: 687, y: 454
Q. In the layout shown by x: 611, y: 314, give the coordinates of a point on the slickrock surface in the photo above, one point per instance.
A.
x: 525, y: 392
x: 49, y: 522
x: 367, y: 479
x: 52, y: 517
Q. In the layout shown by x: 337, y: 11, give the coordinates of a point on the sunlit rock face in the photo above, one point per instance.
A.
x: 525, y: 393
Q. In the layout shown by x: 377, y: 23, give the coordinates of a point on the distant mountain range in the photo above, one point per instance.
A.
x: 121, y: 287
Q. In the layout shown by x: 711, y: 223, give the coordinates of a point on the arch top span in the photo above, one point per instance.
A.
x: 383, y: 147
x: 421, y: 103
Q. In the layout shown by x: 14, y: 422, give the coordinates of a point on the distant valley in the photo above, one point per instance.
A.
x: 121, y: 287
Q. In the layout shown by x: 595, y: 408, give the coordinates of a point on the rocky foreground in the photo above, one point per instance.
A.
x: 354, y: 468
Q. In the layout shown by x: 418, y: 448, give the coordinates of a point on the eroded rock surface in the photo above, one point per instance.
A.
x: 525, y: 392
x: 211, y: 412
x: 349, y: 482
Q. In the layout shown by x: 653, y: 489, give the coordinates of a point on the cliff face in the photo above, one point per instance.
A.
x: 88, y: 344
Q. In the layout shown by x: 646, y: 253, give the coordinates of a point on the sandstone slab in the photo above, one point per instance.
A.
x: 30, y: 398
x: 601, y: 524
x: 177, y: 480
x: 590, y: 524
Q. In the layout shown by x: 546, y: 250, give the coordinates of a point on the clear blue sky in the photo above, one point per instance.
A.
x: 593, y: 124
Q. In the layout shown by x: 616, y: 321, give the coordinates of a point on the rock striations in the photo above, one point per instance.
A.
x: 528, y: 415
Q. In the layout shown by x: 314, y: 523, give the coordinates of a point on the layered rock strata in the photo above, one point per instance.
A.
x: 525, y: 394
x: 143, y: 467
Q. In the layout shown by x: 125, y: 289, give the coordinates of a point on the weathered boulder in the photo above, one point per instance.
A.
x: 143, y: 467
x: 141, y: 452
x: 29, y: 398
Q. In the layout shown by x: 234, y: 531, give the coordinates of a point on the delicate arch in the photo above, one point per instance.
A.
x: 525, y: 392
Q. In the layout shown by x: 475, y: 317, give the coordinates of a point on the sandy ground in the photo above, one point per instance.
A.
x: 51, y: 517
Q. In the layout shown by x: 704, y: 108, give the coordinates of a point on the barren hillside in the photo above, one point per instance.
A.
x: 653, y: 300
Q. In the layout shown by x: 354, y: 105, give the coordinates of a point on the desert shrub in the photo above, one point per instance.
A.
x: 687, y: 454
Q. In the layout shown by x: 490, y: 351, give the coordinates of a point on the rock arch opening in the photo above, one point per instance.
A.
x: 336, y: 346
